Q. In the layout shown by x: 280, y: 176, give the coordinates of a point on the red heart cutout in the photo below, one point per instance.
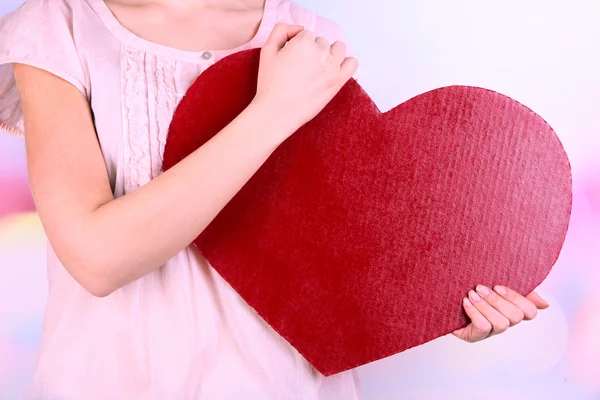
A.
x: 361, y: 234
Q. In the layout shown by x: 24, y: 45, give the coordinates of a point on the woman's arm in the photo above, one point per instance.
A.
x: 104, y: 242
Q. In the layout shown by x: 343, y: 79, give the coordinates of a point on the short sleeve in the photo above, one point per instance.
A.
x: 38, y: 33
x: 292, y: 13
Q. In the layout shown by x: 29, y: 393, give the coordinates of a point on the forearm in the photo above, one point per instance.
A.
x: 137, y: 233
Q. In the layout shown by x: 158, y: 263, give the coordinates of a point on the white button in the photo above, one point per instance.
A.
x: 206, y: 55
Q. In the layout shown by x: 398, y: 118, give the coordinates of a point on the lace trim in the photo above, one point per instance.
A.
x: 137, y: 143
x: 166, y: 99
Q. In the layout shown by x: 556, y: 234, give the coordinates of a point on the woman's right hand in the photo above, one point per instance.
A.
x: 296, y: 80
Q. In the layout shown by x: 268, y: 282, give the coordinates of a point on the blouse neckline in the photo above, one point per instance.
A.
x: 130, y: 39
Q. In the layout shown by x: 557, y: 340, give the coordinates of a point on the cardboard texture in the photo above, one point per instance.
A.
x: 361, y: 234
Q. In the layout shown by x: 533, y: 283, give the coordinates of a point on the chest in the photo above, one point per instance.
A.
x: 207, y: 28
x: 137, y: 85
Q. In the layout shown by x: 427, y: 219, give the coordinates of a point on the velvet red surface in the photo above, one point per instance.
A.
x: 361, y: 234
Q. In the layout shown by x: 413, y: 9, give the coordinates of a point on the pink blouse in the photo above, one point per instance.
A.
x: 180, y: 332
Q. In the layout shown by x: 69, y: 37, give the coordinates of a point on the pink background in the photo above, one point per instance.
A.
x: 543, y: 53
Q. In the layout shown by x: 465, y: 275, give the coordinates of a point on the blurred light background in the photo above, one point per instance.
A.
x: 543, y: 53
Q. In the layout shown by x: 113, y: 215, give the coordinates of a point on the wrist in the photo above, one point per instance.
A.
x: 275, y: 125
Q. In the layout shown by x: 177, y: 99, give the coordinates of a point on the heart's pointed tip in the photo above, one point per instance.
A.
x: 330, y: 372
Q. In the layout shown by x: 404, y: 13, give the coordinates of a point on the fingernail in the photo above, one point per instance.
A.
x: 546, y: 303
x: 500, y: 290
x: 474, y: 296
x: 467, y: 302
x: 482, y: 290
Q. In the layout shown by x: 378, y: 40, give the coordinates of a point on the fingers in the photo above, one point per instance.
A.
x: 540, y: 303
x: 348, y: 65
x: 280, y: 35
x: 348, y: 68
x: 321, y: 41
x: 324, y: 48
x: 528, y: 307
x: 499, y: 322
x: 338, y: 52
x: 478, y: 329
x: 493, y: 312
x: 307, y: 36
x: 513, y: 313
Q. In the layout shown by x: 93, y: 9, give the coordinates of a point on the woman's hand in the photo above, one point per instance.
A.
x: 494, y: 311
x: 299, y: 74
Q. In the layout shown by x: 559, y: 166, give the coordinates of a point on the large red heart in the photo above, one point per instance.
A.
x: 361, y: 234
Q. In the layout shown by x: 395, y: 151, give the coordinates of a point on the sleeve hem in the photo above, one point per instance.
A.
x: 11, y: 130
x: 49, y: 68
x: 15, y: 128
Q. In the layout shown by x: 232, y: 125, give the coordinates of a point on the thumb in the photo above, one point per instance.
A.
x: 280, y: 35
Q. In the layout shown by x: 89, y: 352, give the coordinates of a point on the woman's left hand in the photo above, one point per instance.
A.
x: 494, y: 311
